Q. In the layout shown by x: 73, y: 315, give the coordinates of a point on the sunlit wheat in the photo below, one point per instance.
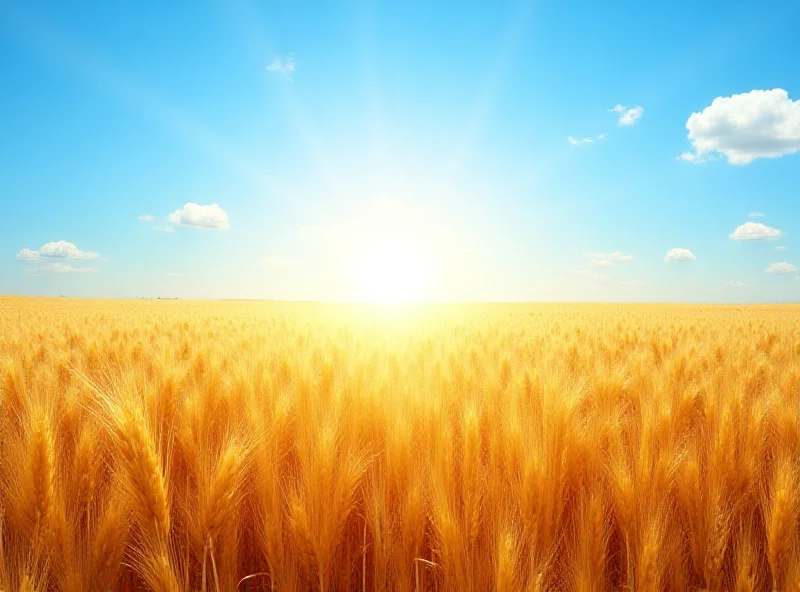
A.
x: 208, y: 447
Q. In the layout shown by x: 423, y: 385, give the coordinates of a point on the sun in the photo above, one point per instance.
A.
x: 391, y: 271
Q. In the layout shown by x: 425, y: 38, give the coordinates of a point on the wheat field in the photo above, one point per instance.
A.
x: 220, y: 446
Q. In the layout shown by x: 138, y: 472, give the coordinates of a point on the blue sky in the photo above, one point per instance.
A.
x: 340, y: 151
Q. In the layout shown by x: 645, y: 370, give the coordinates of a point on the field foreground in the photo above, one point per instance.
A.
x: 175, y: 446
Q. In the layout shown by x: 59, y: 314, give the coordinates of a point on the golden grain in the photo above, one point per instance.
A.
x: 182, y: 446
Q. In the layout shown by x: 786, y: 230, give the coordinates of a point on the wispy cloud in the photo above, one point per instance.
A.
x: 692, y: 157
x: 150, y: 218
x: 615, y: 256
x: 780, y: 267
x: 65, y: 268
x: 756, y: 215
x: 606, y: 259
x: 578, y: 141
x: 781, y: 248
x: 736, y: 284
x: 627, y: 116
x: 284, y: 66
x: 51, y: 269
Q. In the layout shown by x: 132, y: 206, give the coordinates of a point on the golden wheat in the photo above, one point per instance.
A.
x: 208, y: 447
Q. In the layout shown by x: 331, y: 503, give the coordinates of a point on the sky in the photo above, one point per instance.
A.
x: 340, y: 151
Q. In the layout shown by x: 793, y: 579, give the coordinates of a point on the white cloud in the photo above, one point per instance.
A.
x: 615, y: 256
x: 743, y: 127
x: 755, y: 215
x: 755, y: 231
x: 146, y: 218
x: 64, y: 268
x: 679, y: 255
x: 284, y: 66
x: 781, y: 267
x: 165, y: 229
x: 578, y: 141
x: 736, y: 284
x: 28, y: 255
x: 277, y: 263
x: 48, y: 259
x: 627, y: 116
x: 606, y: 259
x: 781, y: 248
x: 632, y: 283
x: 56, y: 250
x: 65, y: 250
x: 197, y: 216
x: 692, y: 157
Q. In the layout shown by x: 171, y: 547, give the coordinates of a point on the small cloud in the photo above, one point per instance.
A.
x: 578, y: 141
x: 197, y: 216
x: 736, y: 284
x: 58, y: 269
x: 606, y: 259
x: 64, y: 268
x: 28, y: 255
x: 756, y: 215
x: 632, y: 283
x: 56, y: 250
x: 65, y: 250
x: 627, y: 116
x: 692, y: 157
x: 615, y: 256
x: 49, y: 258
x: 781, y: 267
x: 781, y: 248
x: 755, y: 231
x: 747, y: 126
x: 278, y: 263
x: 284, y: 66
x: 165, y: 229
x: 146, y: 218
x: 678, y: 254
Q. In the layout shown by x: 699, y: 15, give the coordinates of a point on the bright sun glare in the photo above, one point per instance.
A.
x: 392, y: 272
